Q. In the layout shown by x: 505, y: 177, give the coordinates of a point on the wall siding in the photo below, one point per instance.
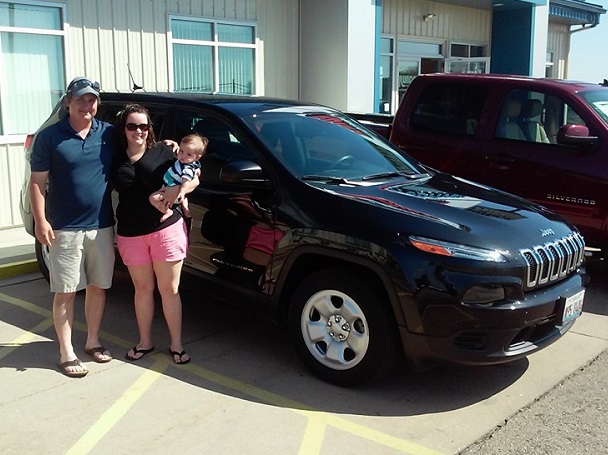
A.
x: 279, y: 32
x: 114, y: 40
x: 404, y: 18
x: 558, y: 42
x: 12, y: 168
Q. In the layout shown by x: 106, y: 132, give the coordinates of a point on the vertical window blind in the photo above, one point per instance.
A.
x: 212, y: 57
x: 31, y: 65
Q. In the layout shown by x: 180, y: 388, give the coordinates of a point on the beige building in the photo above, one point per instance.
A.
x: 356, y: 55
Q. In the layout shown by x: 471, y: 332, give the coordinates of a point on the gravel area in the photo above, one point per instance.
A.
x: 571, y: 419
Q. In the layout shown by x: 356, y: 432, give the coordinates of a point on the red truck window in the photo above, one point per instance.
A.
x: 449, y: 109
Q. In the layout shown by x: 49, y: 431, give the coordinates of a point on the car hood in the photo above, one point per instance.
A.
x: 447, y: 207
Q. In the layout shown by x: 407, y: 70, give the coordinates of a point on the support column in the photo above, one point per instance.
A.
x: 519, y: 38
x: 338, y: 53
x: 540, y: 21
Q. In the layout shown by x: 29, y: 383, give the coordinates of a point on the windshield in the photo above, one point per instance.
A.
x: 598, y: 100
x: 327, y: 143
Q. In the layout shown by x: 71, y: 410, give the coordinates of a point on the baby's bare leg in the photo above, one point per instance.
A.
x: 185, y: 207
x: 166, y: 215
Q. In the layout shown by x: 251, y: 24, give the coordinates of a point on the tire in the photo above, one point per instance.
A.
x: 42, y: 257
x: 342, y: 330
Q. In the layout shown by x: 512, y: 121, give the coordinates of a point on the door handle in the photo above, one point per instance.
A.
x: 500, y: 159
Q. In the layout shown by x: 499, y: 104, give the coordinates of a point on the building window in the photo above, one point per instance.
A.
x: 414, y: 58
x: 467, y: 58
x: 31, y: 64
x: 549, y: 65
x: 213, y: 57
x: 386, y: 75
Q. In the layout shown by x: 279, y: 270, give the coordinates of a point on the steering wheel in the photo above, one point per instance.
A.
x: 343, y: 162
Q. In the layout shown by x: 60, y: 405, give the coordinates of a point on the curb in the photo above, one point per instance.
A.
x: 18, y: 268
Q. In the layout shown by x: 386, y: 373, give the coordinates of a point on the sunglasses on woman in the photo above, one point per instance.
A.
x: 135, y: 126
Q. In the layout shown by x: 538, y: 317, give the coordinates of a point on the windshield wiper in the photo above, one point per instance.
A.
x: 383, y: 175
x: 328, y: 179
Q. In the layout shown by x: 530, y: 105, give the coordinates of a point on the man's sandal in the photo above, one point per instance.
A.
x: 64, y: 367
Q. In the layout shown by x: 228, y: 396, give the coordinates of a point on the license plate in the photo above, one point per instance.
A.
x: 573, y: 307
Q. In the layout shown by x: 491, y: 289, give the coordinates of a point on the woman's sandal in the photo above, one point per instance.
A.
x: 136, y: 351
x: 181, y: 355
x: 99, y: 354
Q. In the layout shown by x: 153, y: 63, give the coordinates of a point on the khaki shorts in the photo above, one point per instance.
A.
x: 78, y: 259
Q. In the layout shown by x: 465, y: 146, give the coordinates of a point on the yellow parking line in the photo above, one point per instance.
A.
x: 316, y: 420
x: 25, y: 338
x: 244, y: 388
x: 364, y: 432
x: 25, y: 305
x: 119, y: 409
x: 314, y: 432
x: 18, y: 268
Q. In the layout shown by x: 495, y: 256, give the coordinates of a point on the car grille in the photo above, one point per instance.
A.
x: 554, y: 260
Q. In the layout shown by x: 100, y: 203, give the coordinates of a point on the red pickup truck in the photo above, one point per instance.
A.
x: 543, y: 139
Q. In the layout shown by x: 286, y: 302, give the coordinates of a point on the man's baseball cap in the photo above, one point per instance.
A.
x: 81, y: 86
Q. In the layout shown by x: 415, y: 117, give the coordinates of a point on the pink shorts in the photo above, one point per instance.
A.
x: 167, y: 245
x: 263, y: 239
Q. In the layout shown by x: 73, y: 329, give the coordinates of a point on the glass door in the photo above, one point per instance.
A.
x: 407, y: 70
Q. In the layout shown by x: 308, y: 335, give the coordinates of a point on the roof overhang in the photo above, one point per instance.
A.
x: 575, y: 12
x: 571, y: 12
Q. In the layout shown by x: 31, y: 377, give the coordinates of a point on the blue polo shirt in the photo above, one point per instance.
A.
x: 79, y: 174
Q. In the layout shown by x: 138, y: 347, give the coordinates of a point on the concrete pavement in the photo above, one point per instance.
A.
x: 17, y: 255
x: 245, y: 392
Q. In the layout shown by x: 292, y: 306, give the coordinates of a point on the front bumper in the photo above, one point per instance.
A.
x: 491, y: 335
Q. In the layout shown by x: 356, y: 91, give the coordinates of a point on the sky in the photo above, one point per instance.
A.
x: 588, y: 60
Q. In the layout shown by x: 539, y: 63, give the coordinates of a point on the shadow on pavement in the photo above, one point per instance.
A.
x: 238, y: 355
x: 595, y: 300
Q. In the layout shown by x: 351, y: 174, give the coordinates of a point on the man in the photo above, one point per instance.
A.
x: 74, y: 218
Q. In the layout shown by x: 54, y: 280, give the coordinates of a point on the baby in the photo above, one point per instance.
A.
x: 186, y: 167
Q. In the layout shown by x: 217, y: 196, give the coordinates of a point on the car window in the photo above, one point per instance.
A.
x: 158, y: 114
x: 598, y: 101
x: 225, y: 141
x: 531, y: 116
x: 311, y: 142
x: 449, y: 109
x: 560, y: 113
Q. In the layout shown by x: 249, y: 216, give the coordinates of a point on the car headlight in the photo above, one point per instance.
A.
x: 456, y: 250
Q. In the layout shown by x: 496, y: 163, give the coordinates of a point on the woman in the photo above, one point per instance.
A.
x: 152, y: 250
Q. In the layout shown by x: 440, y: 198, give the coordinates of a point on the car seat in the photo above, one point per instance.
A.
x: 533, y: 130
x: 508, y: 126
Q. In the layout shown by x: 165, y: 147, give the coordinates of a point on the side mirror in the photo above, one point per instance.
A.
x: 576, y: 135
x: 234, y: 174
x: 243, y: 173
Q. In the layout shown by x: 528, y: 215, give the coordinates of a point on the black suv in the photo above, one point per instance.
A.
x: 358, y: 252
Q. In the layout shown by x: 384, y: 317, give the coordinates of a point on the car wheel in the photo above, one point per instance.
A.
x: 342, y: 330
x: 42, y: 257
